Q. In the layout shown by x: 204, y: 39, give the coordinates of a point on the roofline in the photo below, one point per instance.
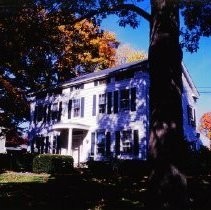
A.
x: 94, y: 76
x: 190, y: 80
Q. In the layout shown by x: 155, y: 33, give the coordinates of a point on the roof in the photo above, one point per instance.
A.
x: 102, y: 73
x: 110, y: 71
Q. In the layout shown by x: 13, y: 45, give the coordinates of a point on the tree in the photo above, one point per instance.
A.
x: 37, y: 51
x: 168, y: 183
x: 126, y: 53
x: 205, y: 124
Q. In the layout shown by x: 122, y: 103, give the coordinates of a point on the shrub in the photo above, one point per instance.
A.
x: 48, y: 163
x: 16, y: 161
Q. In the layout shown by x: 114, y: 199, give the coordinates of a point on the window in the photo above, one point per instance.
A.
x: 124, y: 99
x: 101, y: 142
x: 102, y: 103
x: 54, y: 112
x: 191, y: 115
x: 76, y: 107
x: 126, y: 142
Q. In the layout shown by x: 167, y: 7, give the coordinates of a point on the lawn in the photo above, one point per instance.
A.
x: 80, y: 190
x: 83, y: 190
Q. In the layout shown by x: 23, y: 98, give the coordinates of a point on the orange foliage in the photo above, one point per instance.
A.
x: 87, y: 46
x: 205, y: 124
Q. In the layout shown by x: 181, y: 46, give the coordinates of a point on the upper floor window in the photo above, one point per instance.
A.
x: 124, y: 99
x: 191, y: 115
x: 102, y: 103
x: 76, y: 107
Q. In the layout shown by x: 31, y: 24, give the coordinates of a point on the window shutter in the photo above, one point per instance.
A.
x: 117, y: 143
x: 108, y: 143
x: 94, y: 106
x: 116, y: 101
x: 92, y: 143
x: 136, y: 142
x: 60, y: 111
x: 45, y: 113
x: 69, y: 108
x: 133, y: 99
x: 109, y: 102
x: 82, y: 107
x: 190, y: 114
x: 35, y: 114
x: 194, y: 118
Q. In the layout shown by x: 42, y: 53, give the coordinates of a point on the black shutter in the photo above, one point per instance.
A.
x: 94, y: 106
x: 133, y: 99
x: 108, y: 143
x: 45, y: 113
x: 82, y: 107
x: 194, y: 118
x: 190, y: 114
x: 69, y: 108
x: 35, y: 114
x: 92, y: 144
x: 117, y: 143
x: 136, y: 142
x: 60, y: 111
x: 116, y: 101
x: 109, y: 102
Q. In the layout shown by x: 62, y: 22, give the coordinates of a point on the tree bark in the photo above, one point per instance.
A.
x: 167, y: 183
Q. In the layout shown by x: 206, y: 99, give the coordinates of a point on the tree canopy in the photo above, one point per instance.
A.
x: 205, y: 124
x: 38, y: 51
x: 126, y: 53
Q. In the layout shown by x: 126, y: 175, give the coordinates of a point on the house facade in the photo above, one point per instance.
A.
x: 102, y: 115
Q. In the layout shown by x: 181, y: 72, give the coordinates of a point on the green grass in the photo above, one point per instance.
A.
x: 13, y: 177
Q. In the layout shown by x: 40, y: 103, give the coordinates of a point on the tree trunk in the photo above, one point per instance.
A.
x: 167, y: 182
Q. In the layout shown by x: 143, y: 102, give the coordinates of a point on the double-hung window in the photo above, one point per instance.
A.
x: 126, y: 142
x: 102, y: 103
x: 125, y: 99
x: 76, y: 107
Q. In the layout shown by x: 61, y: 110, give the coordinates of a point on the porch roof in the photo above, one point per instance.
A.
x: 59, y: 126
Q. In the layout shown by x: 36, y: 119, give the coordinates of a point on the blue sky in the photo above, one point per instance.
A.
x: 198, y: 64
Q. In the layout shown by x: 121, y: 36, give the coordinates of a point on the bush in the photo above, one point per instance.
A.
x: 48, y: 163
x: 16, y: 161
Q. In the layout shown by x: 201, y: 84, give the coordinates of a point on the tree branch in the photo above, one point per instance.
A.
x: 116, y: 8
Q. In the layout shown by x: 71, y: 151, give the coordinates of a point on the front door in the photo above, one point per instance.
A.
x: 77, y: 145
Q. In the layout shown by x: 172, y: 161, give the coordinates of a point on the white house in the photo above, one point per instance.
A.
x: 102, y: 114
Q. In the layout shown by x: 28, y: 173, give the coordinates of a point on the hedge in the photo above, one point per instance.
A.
x: 16, y: 161
x: 50, y: 163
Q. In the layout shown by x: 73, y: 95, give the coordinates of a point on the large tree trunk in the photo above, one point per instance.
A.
x: 167, y: 183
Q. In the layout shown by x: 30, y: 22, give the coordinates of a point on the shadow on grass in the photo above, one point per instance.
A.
x: 80, y: 190
x: 85, y: 190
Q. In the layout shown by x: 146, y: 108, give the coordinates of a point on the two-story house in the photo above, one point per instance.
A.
x: 101, y: 115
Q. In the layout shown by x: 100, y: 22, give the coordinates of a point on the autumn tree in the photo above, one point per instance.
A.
x: 125, y: 53
x: 37, y: 52
x: 166, y: 151
x: 168, y: 184
x: 205, y: 124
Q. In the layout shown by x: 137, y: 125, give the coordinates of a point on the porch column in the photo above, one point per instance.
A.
x: 70, y: 136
